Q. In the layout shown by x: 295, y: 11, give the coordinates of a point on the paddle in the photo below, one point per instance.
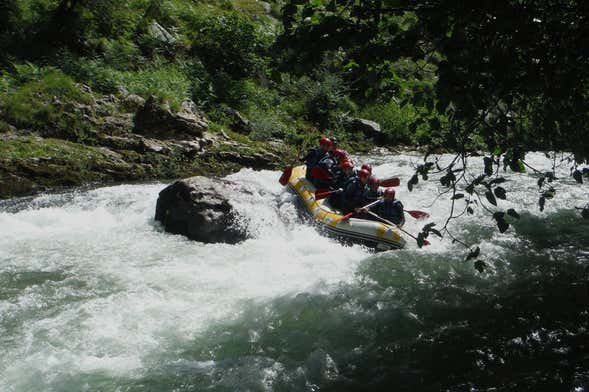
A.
x: 392, y: 181
x: 425, y: 242
x: 417, y: 214
x: 285, y: 177
x: 350, y: 214
x: 322, y: 193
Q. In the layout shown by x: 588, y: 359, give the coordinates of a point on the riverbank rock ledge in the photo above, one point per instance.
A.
x: 197, y: 208
x: 157, y: 120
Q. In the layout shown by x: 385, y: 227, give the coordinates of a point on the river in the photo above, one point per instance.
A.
x: 95, y: 296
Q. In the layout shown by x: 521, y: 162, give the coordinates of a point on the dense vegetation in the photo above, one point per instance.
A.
x: 218, y: 53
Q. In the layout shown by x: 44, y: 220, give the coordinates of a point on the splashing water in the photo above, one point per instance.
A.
x: 94, y: 295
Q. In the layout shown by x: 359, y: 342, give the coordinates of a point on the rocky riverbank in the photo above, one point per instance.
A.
x: 126, y: 139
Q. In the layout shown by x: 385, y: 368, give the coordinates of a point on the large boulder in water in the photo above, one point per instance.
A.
x: 197, y: 208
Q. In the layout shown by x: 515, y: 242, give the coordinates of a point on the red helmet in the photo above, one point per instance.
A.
x: 363, y: 173
x: 346, y: 164
x: 367, y: 167
x: 389, y: 192
x: 325, y: 142
x: 374, y: 181
x: 339, y: 154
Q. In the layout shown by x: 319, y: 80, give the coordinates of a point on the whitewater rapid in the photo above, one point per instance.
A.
x: 93, y: 288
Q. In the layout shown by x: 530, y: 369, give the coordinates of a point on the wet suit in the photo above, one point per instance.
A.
x: 352, y: 196
x: 370, y: 195
x: 390, y: 210
x: 340, y: 180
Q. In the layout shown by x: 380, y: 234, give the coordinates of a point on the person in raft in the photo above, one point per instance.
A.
x: 344, y: 174
x: 324, y: 172
x: 388, y: 208
x: 366, y: 167
x: 372, y: 191
x: 316, y: 154
x: 353, y: 194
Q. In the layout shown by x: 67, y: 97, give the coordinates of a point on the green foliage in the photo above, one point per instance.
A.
x: 226, y: 43
x: 45, y: 103
x: 164, y: 80
x: 395, y: 120
x: 268, y: 124
x: 319, y: 99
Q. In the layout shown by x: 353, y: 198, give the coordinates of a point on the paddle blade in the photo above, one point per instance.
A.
x: 387, y: 182
x: 322, y: 193
x: 285, y: 177
x: 346, y: 217
x: 417, y: 214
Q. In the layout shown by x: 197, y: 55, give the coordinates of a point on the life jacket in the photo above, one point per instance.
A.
x: 323, y: 170
x: 370, y: 195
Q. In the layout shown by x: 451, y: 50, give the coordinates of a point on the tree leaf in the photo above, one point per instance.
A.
x: 517, y: 166
x: 500, y: 219
x: 498, y: 215
x: 541, y: 202
x: 511, y: 212
x: 428, y: 226
x: 500, y: 193
x: 491, y: 198
x: 470, y: 188
x: 578, y: 176
x: 502, y: 225
x: 413, y: 181
x: 541, y: 181
x: 458, y: 196
x: 470, y: 211
x: 549, y: 194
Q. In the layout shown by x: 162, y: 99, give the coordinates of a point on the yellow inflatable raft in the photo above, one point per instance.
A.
x: 375, y: 234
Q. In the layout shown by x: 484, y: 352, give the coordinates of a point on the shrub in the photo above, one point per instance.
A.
x: 267, y: 124
x: 91, y: 72
x: 395, y: 120
x: 227, y: 42
x: 164, y: 80
x: 45, y: 104
x: 320, y: 99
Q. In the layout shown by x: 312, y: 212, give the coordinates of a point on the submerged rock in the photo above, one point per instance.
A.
x: 197, y: 208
